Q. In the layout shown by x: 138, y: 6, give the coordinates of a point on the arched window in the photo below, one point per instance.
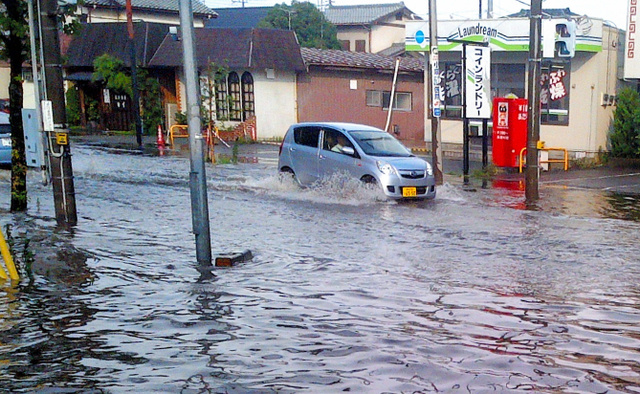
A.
x: 235, y: 97
x: 248, y: 98
x: 222, y: 105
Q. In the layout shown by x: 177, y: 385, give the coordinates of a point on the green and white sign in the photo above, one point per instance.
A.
x: 508, y: 34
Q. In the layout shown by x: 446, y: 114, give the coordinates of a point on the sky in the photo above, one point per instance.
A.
x: 610, y: 10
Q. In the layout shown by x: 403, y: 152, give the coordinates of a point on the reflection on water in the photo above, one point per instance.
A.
x: 346, y: 292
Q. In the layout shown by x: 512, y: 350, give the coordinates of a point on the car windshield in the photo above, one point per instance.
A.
x: 379, y: 143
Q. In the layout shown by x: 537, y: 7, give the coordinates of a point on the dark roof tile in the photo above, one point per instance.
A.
x: 158, y: 5
x: 336, y: 58
x: 96, y: 39
x: 362, y: 14
x: 236, y: 48
x: 237, y: 18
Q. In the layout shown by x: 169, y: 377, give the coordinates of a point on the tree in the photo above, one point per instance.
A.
x: 311, y: 26
x: 13, y: 47
x: 117, y: 77
x: 625, y: 136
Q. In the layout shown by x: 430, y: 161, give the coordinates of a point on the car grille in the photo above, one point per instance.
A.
x: 412, y: 174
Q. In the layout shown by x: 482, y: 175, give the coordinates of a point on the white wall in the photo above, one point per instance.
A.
x: 275, y: 100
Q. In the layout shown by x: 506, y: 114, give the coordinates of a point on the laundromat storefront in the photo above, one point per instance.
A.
x: 571, y: 88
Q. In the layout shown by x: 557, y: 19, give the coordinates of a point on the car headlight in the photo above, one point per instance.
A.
x: 385, y: 168
x: 429, y: 169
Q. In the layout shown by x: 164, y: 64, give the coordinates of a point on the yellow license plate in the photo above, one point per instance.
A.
x: 409, y: 192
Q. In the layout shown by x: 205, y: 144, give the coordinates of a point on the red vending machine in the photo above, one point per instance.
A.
x: 509, y: 130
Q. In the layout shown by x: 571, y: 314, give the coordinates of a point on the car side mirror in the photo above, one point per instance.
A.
x: 347, y: 150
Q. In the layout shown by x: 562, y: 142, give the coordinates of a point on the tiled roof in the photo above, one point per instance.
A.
x: 236, y: 18
x: 362, y: 14
x: 553, y: 12
x: 159, y: 5
x: 335, y: 58
x: 236, y: 48
x: 96, y: 39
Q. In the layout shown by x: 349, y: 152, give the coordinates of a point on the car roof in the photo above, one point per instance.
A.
x: 4, y: 118
x: 344, y: 126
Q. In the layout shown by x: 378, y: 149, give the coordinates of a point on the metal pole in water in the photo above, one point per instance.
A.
x: 197, y: 176
x: 533, y: 84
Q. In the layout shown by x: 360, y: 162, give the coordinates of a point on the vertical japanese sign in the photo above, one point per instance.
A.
x: 478, y: 82
x: 436, y: 90
x: 631, y: 59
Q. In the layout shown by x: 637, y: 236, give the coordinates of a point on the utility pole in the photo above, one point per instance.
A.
x: 431, y: 64
x: 197, y: 176
x: 533, y: 85
x: 134, y: 74
x: 480, y: 9
x: 59, y: 151
x: 489, y: 9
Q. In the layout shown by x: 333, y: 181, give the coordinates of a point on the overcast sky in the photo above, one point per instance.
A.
x: 611, y: 10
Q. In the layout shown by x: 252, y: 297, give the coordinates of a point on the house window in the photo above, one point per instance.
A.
x: 248, y: 98
x: 235, y: 97
x: 346, y: 45
x: 378, y: 98
x: 401, y: 102
x: 222, y: 106
x: 374, y: 98
x: 507, y: 79
x: 554, y: 93
x: 361, y: 45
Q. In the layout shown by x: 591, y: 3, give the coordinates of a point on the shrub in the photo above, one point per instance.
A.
x: 625, y: 136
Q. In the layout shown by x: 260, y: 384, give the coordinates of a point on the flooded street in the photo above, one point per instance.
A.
x: 346, y: 291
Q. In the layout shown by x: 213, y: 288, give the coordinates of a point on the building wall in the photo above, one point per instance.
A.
x: 385, y: 35
x: 275, y: 102
x: 351, y: 34
x: 341, y: 96
x: 377, y: 37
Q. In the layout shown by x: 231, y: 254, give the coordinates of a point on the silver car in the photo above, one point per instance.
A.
x: 313, y: 151
x: 5, y: 139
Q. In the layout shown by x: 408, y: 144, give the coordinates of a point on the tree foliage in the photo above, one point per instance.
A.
x: 311, y: 26
x: 117, y: 77
x: 14, y: 47
x: 625, y: 137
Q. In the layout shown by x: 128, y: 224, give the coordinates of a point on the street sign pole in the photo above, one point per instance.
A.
x: 533, y: 94
x: 436, y: 94
x: 197, y: 176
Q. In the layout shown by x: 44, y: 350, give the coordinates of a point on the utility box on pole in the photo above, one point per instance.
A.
x: 32, y: 140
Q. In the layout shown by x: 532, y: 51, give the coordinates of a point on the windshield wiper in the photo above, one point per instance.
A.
x: 371, y: 139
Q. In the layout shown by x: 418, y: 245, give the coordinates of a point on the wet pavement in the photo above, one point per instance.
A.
x: 347, y: 291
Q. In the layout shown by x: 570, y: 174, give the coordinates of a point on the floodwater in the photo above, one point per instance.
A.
x: 346, y: 291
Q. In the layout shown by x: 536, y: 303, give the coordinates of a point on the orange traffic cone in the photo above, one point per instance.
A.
x: 160, y: 139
